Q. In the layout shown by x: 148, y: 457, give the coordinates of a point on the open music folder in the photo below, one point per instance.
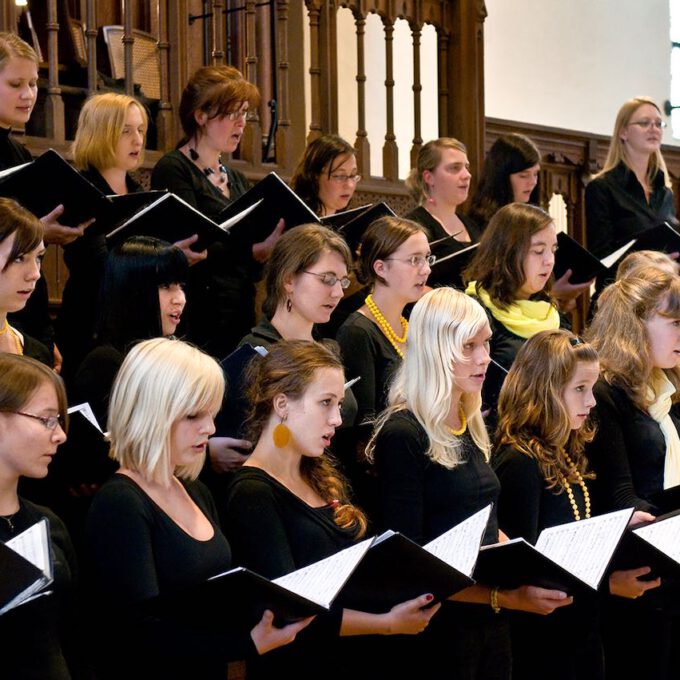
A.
x: 25, y: 566
x: 48, y: 181
x: 572, y: 557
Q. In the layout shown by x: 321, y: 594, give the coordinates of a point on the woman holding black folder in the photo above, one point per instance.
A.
x: 440, y: 183
x: 431, y: 450
x: 636, y: 450
x: 545, y: 481
x: 288, y: 506
x: 35, y: 635
x: 213, y: 112
x: 152, y: 529
x: 633, y: 192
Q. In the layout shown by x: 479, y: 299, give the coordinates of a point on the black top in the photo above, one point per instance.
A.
x: 34, y: 318
x: 366, y: 352
x: 628, y: 453
x: 220, y: 292
x: 617, y: 209
x: 86, y: 260
x: 417, y: 494
x: 35, y: 636
x: 436, y: 231
x: 526, y: 506
x: 136, y: 552
x: 273, y: 532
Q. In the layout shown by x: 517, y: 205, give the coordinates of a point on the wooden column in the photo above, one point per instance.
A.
x: 128, y: 41
x: 251, y: 143
x: 361, y: 144
x: 284, y: 157
x: 8, y: 17
x: 164, y: 120
x: 443, y: 39
x: 54, y: 105
x: 217, y: 37
x: 91, y: 46
x: 390, y: 150
x: 315, y: 129
x: 417, y: 89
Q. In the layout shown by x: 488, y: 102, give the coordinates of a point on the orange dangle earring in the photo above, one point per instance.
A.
x: 281, y: 434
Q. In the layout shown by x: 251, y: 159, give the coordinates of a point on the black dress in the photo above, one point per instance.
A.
x: 86, y: 261
x: 628, y: 457
x: 34, y: 319
x: 525, y: 507
x: 221, y: 291
x: 423, y: 499
x: 135, y: 552
x: 435, y: 232
x: 36, y: 637
x: 273, y: 532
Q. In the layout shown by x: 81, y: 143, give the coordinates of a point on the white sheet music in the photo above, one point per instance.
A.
x: 459, y: 546
x: 619, y: 252
x: 228, y: 224
x: 664, y: 535
x: 321, y: 581
x: 33, y: 545
x: 86, y: 411
x: 584, y: 548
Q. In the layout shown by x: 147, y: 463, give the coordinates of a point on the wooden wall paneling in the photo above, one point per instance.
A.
x: 9, y: 16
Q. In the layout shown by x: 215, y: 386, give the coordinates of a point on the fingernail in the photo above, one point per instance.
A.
x: 429, y: 598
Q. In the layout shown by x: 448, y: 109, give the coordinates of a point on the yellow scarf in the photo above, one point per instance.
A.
x: 524, y: 318
x: 661, y: 390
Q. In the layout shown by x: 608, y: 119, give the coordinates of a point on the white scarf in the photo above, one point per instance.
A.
x: 661, y: 390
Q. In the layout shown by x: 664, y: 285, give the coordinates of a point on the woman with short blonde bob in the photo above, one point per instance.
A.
x: 152, y: 529
x: 431, y: 452
x: 633, y: 192
x: 545, y: 479
x: 636, y: 451
x: 108, y: 146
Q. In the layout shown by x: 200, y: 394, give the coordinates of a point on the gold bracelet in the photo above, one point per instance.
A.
x: 493, y: 600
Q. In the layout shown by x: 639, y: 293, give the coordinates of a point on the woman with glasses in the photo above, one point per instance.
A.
x: 21, y: 254
x: 633, y: 191
x: 305, y: 278
x: 32, y: 410
x: 326, y: 176
x: 439, y: 184
x: 509, y: 275
x: 213, y: 111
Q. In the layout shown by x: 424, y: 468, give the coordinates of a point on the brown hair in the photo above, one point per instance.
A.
x: 619, y: 334
x: 21, y: 377
x: 645, y: 258
x: 429, y: 157
x: 11, y: 45
x: 326, y: 151
x: 216, y: 90
x: 290, y: 368
x: 380, y: 241
x: 532, y: 417
x: 26, y: 227
x: 498, y: 264
x: 297, y: 250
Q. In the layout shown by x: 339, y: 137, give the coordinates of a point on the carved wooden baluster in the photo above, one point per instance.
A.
x: 361, y: 144
x: 128, y: 44
x: 390, y: 150
x: 283, y: 151
x: 417, y: 89
x: 217, y: 30
x: 443, y: 39
x: 54, y: 106
x: 251, y: 142
x: 164, y: 122
x: 315, y: 128
x: 91, y: 46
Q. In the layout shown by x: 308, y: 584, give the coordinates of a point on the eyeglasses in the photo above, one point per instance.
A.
x: 330, y: 279
x: 342, y: 179
x: 50, y: 422
x: 646, y: 124
x: 416, y: 260
x: 235, y: 115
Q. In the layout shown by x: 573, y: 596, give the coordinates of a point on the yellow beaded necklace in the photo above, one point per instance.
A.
x: 385, y: 327
x: 567, y: 487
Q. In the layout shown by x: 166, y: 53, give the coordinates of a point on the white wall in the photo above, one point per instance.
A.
x: 572, y: 63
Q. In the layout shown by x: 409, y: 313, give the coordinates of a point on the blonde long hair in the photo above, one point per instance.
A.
x: 442, y: 321
x: 617, y: 148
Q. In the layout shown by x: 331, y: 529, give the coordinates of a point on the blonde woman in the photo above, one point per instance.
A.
x: 633, y: 191
x: 644, y: 258
x: 431, y: 452
x: 152, y: 529
x: 636, y: 451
